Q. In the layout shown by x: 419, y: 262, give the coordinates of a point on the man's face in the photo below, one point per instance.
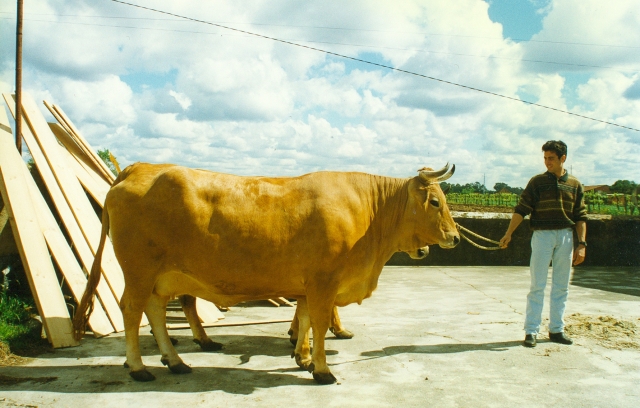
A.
x: 553, y: 163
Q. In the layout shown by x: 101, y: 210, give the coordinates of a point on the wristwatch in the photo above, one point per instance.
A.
x: 583, y: 243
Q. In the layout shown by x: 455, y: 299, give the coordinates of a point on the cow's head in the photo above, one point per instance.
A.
x: 427, y: 210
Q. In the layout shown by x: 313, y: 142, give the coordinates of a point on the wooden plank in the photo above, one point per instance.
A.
x: 31, y: 244
x: 80, y: 206
x: 182, y: 326
x: 87, y: 153
x: 109, y: 301
x: 94, y: 185
x: 66, y: 260
x: 284, y: 301
x: 207, y: 311
x: 109, y: 176
x: 69, y: 142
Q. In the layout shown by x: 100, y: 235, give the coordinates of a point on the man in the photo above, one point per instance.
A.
x: 554, y: 200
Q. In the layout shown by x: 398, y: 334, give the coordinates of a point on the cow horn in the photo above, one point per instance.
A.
x: 430, y: 176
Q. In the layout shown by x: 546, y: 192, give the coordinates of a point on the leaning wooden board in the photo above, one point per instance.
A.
x: 74, y: 194
x: 31, y: 244
x: 105, y: 294
x: 66, y: 260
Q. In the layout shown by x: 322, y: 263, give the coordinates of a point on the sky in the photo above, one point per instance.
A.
x: 283, y: 88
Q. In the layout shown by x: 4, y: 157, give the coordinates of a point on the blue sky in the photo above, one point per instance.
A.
x: 520, y: 19
x: 157, y: 88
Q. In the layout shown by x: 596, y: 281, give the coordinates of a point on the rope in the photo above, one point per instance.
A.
x: 461, y: 229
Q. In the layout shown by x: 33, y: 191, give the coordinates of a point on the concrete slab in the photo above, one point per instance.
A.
x: 429, y: 336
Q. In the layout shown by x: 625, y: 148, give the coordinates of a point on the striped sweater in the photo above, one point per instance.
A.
x: 553, y: 203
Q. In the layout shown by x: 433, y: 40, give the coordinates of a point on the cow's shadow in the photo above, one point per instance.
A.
x: 441, y: 348
x: 115, y: 379
x: 100, y: 367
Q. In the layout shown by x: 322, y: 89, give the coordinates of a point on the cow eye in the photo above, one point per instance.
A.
x: 434, y: 202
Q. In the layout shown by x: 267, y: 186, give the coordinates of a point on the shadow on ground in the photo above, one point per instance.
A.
x: 617, y: 280
x: 441, y: 348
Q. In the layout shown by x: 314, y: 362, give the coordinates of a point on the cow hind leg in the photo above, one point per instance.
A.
x: 294, y: 329
x: 200, y: 337
x: 132, y: 308
x: 157, y: 313
x: 302, y: 352
x: 336, y: 326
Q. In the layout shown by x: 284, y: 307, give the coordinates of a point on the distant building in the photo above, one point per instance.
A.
x: 601, y: 188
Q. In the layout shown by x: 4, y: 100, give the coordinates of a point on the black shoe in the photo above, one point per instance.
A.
x: 560, y: 338
x: 529, y: 340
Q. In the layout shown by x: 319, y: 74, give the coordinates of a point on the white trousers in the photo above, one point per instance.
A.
x: 555, y: 246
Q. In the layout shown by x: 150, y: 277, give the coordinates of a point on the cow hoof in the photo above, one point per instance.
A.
x: 142, y: 375
x: 290, y: 332
x: 180, y: 368
x: 208, y: 345
x: 343, y: 335
x: 324, y: 378
x: 293, y: 341
x: 303, y: 363
x: 126, y: 365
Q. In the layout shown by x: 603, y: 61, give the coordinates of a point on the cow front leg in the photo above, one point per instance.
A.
x: 200, y: 337
x: 320, y: 309
x: 302, y: 352
x: 336, y: 326
x: 157, y: 314
x: 132, y: 307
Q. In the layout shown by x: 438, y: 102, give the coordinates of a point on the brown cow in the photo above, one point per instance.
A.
x: 322, y: 238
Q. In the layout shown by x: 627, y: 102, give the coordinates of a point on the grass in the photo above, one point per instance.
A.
x: 18, y: 334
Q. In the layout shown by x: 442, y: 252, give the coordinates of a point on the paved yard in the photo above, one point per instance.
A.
x: 429, y: 336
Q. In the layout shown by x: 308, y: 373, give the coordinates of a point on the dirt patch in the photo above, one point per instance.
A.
x: 9, y: 380
x: 7, y: 358
x: 608, y: 331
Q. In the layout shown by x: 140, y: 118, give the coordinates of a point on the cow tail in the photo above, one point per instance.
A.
x: 85, y: 308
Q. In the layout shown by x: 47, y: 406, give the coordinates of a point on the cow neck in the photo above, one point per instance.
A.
x: 391, y: 197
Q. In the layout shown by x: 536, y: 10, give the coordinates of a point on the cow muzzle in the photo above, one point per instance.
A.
x: 419, y: 253
x: 451, y: 242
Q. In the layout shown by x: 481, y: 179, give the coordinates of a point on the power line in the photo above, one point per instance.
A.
x: 519, y: 40
x: 376, y: 47
x: 379, y: 65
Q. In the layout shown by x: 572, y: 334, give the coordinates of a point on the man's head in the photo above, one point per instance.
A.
x: 555, y: 154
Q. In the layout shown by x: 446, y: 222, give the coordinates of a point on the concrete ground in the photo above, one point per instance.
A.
x: 429, y: 336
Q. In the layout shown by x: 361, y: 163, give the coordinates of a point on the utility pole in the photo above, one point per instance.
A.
x: 19, y: 78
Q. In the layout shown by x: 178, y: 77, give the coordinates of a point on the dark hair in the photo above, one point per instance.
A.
x: 557, y: 146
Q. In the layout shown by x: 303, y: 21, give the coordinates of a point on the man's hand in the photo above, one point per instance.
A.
x: 504, y: 242
x: 579, y: 254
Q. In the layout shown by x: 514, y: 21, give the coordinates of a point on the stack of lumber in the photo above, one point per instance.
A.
x: 71, y: 172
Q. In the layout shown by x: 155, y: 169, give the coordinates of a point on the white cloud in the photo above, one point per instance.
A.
x: 156, y: 88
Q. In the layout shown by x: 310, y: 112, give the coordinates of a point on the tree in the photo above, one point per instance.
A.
x: 623, y: 186
x: 105, y: 155
x: 498, y: 187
